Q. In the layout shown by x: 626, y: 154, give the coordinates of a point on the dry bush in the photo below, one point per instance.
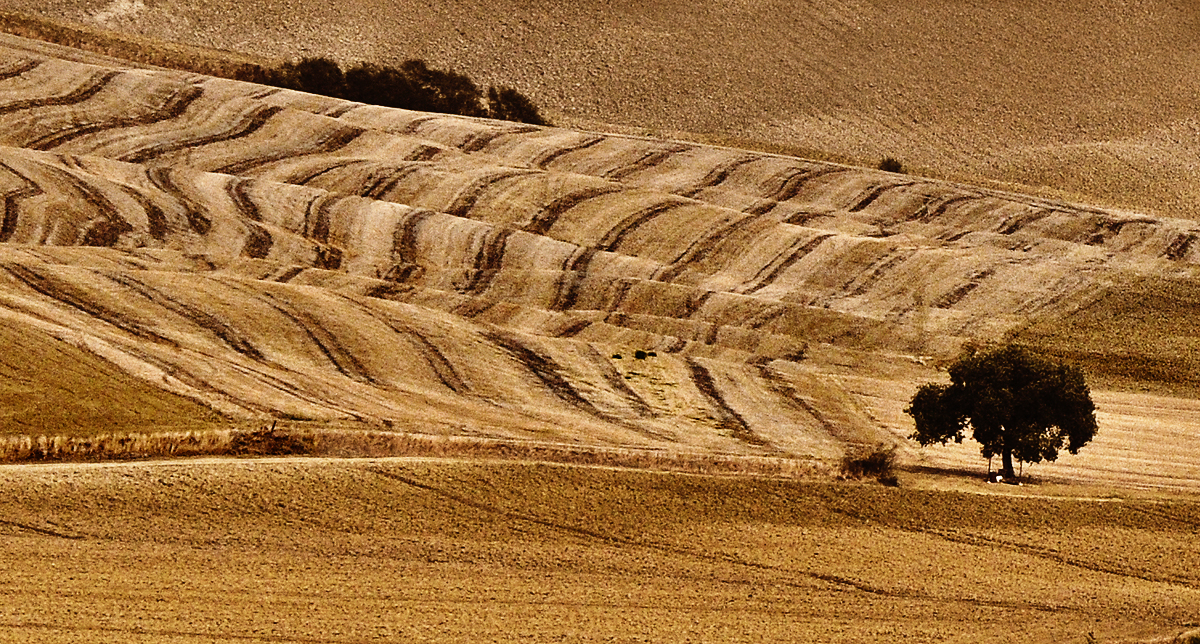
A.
x: 878, y: 462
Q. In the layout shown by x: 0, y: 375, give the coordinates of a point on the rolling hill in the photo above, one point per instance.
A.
x: 201, y: 251
x: 1094, y: 101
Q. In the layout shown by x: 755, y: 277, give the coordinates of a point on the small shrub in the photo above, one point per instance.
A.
x: 878, y: 463
x: 890, y: 164
x: 639, y: 355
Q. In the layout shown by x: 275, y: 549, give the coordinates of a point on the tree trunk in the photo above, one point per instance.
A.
x: 1007, y: 471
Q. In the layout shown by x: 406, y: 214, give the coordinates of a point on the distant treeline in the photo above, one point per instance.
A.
x: 411, y: 86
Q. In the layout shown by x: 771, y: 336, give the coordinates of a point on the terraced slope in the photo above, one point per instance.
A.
x: 269, y: 253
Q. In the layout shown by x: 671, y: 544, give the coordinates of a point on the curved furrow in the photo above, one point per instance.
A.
x: 571, y: 277
x: 1181, y: 246
x: 611, y: 239
x: 649, y: 159
x: 104, y: 231
x: 546, y: 371
x: 91, y: 86
x: 64, y: 292
x: 335, y: 139
x: 404, y: 237
x: 259, y: 241
x: 305, y: 176
x: 156, y: 219
x: 706, y: 247
x: 488, y: 260
x: 174, y: 105
x: 546, y: 159
x: 244, y: 124
x: 480, y: 141
x: 871, y: 194
x: 785, y: 260
x: 618, y: 384
x: 962, y: 291
x: 201, y: 318
x: 791, y: 183
x: 859, y: 284
x: 716, y: 176
x: 434, y: 357
x: 15, y: 67
x: 791, y: 397
x: 543, y: 220
x: 939, y: 207
x: 341, y: 358
x: 316, y: 217
x: 238, y: 190
x: 163, y: 178
x: 728, y: 418
x: 16, y: 187
x: 1011, y: 225
x: 381, y: 187
x: 466, y: 198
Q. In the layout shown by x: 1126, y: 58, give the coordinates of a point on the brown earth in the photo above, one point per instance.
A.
x: 1095, y: 100
x: 397, y: 550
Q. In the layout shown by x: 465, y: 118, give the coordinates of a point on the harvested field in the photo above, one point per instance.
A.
x: 185, y: 260
x: 399, y: 550
x: 241, y: 254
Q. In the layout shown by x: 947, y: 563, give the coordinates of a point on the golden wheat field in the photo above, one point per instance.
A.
x: 606, y: 378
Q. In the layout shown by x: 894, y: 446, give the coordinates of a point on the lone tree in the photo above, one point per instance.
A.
x: 1016, y: 403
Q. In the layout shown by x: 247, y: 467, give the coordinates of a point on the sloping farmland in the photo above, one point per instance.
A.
x: 237, y: 252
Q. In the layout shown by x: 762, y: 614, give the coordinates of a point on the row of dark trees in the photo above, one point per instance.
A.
x: 412, y: 86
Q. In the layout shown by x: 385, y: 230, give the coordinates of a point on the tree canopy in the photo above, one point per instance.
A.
x: 1014, y: 402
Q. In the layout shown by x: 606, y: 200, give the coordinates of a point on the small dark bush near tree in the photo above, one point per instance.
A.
x: 1015, y: 403
x: 411, y: 86
x: 890, y: 164
x: 878, y: 463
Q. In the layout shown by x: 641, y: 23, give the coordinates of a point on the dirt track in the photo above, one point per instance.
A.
x: 358, y: 551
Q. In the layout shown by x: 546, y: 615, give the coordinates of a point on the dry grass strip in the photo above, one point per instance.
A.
x: 346, y: 443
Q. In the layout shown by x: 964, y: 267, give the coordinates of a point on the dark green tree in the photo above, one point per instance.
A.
x: 1014, y: 402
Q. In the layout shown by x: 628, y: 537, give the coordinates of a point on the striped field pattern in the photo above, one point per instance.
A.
x: 264, y: 253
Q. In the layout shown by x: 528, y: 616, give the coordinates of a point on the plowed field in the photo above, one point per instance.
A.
x: 363, y: 551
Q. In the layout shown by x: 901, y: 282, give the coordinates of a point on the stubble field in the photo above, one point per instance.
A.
x: 409, y: 550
